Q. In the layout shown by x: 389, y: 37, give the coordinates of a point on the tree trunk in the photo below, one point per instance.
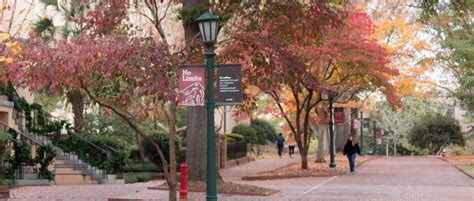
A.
x: 172, y: 145
x: 322, y: 133
x: 196, y: 130
x: 140, y: 147
x: 304, y: 159
x: 77, y: 101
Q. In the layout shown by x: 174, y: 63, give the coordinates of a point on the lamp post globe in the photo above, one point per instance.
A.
x: 208, y: 26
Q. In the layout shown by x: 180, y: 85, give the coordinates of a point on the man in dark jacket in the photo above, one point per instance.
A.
x: 351, y: 149
x: 280, y: 143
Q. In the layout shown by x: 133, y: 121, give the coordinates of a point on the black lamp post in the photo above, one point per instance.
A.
x: 209, y: 27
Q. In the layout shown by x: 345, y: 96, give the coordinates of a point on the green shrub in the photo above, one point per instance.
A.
x: 233, y: 138
x: 140, y: 166
x: 457, y: 150
x: 133, y: 177
x: 250, y: 135
x: 265, y: 131
x: 116, y: 161
x: 162, y: 140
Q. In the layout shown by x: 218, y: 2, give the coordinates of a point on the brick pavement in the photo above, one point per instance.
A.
x: 402, y: 178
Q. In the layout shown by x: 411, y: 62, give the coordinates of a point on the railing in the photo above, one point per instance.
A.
x: 71, y: 138
x: 236, y: 150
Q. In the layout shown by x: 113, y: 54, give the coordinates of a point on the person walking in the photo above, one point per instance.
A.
x: 351, y: 149
x: 291, y: 145
x: 280, y: 142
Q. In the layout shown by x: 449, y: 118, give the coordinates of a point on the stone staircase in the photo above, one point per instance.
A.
x: 69, y: 169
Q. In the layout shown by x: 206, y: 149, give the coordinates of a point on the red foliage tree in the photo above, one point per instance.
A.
x: 309, y: 50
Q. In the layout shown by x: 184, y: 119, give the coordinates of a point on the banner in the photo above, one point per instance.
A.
x: 356, y: 123
x: 378, y: 134
x: 192, y: 85
x: 338, y: 115
x: 229, y: 84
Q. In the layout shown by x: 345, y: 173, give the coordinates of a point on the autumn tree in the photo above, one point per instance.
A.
x: 452, y: 25
x: 308, y: 50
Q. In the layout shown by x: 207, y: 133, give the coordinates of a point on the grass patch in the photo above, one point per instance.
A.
x: 469, y: 169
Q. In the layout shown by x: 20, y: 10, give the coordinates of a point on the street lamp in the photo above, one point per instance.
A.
x: 332, y: 147
x: 208, y: 26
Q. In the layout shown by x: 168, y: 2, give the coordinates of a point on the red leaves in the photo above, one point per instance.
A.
x: 114, y: 68
x: 290, y: 44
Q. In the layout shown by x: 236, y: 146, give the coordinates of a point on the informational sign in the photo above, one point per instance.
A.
x: 356, y: 123
x: 338, y: 115
x: 192, y: 85
x: 229, y: 84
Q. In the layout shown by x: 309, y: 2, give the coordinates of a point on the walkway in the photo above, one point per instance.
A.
x: 401, y: 178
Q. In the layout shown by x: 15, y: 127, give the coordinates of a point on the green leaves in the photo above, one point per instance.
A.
x: 50, y: 2
x: 435, y: 131
x: 45, y: 28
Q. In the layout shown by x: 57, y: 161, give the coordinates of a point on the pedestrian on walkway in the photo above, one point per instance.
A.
x: 280, y: 142
x: 351, y: 149
x: 291, y: 145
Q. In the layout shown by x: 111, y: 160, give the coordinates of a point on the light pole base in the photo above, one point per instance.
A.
x: 332, y: 165
x: 211, y: 198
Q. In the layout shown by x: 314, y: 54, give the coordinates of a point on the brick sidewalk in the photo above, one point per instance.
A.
x: 401, y: 178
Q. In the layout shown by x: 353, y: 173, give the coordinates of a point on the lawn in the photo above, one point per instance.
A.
x: 465, y: 163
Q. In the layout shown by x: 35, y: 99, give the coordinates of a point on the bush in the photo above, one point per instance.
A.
x: 162, y: 140
x: 116, y: 161
x: 265, y: 131
x: 250, y: 135
x: 140, y: 166
x: 433, y: 132
x: 457, y: 151
x: 137, y: 177
x: 231, y: 138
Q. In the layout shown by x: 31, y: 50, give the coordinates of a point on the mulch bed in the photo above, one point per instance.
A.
x: 225, y: 188
x: 314, y: 169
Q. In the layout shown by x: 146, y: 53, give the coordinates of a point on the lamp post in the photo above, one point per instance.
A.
x: 375, y: 138
x: 208, y: 26
x: 361, y: 133
x: 332, y: 148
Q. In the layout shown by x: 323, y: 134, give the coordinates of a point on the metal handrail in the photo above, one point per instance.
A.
x: 21, y: 133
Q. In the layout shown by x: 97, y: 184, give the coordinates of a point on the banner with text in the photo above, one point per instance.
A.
x: 192, y: 85
x: 229, y: 84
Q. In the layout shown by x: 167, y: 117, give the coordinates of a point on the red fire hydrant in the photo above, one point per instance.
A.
x: 183, y: 187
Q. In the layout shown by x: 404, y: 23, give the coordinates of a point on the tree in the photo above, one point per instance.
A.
x: 196, y: 129
x: 435, y: 132
x: 308, y: 50
x: 249, y: 134
x: 398, y: 124
x: 102, y: 19
x: 452, y: 25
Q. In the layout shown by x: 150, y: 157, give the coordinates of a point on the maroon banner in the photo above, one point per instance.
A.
x: 192, y: 85
x: 338, y: 115
x: 378, y: 134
